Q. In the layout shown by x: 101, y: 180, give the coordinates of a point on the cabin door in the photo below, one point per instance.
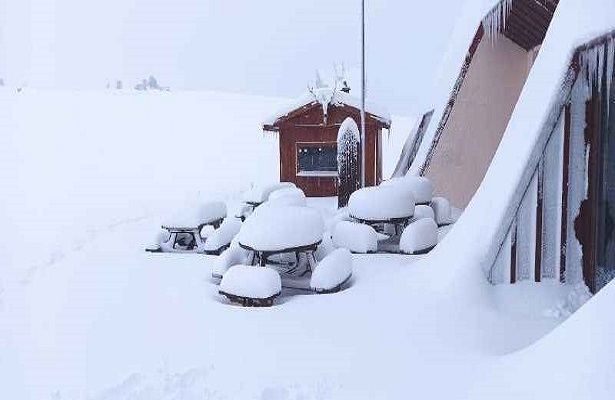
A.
x: 604, y: 203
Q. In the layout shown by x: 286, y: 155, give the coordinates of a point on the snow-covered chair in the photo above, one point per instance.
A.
x: 232, y: 256
x: 421, y: 187
x: 220, y: 239
x: 356, y: 237
x: 419, y: 237
x: 332, y: 272
x: 251, y: 286
x: 422, y: 211
x: 442, y: 211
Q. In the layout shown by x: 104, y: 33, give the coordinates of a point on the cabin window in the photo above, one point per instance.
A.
x: 317, y: 159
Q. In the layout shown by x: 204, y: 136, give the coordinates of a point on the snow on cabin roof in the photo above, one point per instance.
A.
x: 326, y: 96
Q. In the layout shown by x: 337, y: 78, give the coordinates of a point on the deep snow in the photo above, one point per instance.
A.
x: 86, y: 313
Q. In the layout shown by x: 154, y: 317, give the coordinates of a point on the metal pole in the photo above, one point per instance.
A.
x: 363, y: 142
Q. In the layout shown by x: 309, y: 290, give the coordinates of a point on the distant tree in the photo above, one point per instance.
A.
x: 142, y: 85
x: 1, y: 82
x: 152, y: 83
x: 119, y: 85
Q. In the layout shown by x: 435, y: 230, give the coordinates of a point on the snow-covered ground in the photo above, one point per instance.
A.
x: 85, y: 313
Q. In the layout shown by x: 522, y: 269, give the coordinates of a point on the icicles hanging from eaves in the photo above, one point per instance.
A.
x: 597, y: 61
x: 495, y: 21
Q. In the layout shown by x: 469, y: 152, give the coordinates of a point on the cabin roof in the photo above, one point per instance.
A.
x: 325, y: 97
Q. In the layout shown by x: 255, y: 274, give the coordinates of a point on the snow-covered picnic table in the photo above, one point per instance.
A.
x: 382, y: 205
x: 282, y: 229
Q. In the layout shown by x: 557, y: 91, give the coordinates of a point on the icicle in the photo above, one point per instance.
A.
x: 593, y: 62
x: 495, y: 21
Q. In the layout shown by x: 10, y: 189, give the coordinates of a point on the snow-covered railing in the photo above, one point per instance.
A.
x: 542, y: 238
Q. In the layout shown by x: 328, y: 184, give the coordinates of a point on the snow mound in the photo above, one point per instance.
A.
x: 223, y: 235
x: 325, y: 248
x: 260, y: 194
x: 419, y: 236
x: 342, y: 214
x: 287, y: 192
x: 206, y: 213
x: 422, y: 211
x: 232, y: 256
x: 286, y: 197
x: 419, y: 186
x: 332, y: 271
x: 251, y: 282
x: 163, y: 236
x: 358, y: 238
x: 279, y: 228
x: 442, y: 211
x: 381, y: 203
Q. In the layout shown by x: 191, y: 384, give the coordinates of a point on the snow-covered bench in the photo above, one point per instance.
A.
x: 251, y: 286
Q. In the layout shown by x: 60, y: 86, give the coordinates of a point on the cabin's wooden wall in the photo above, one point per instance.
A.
x: 309, y: 127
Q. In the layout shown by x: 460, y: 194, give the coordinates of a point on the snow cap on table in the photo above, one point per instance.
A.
x: 251, y: 282
x: 381, y: 203
x: 421, y: 187
x: 356, y: 237
x: 418, y: 236
x: 260, y: 193
x: 290, y: 196
x: 193, y: 216
x: 332, y: 271
x: 278, y: 228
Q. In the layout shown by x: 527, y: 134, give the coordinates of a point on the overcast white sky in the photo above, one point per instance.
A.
x: 255, y: 46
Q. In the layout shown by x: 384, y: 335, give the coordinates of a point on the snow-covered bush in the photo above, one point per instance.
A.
x: 232, y: 256
x: 358, y: 238
x: 422, y: 211
x: 278, y: 228
x: 325, y: 247
x: 332, y: 271
x: 442, y: 211
x: 419, y: 186
x: 223, y: 235
x: 251, y: 282
x: 348, y: 166
x: 419, y: 236
x: 260, y: 194
x: 381, y: 203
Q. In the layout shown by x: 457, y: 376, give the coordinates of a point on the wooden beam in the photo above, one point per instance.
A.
x: 513, y: 251
x: 565, y: 181
x: 539, y: 221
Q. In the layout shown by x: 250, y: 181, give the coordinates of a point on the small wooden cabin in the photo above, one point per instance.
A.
x: 308, y: 140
